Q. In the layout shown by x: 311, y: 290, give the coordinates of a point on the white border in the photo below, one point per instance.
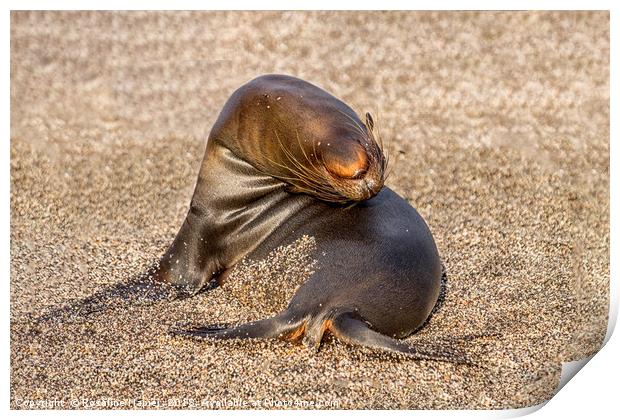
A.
x: 592, y: 393
x: 311, y: 5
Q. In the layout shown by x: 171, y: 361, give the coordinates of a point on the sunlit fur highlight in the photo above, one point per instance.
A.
x: 310, y: 175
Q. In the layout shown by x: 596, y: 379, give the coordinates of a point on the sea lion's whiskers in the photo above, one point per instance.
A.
x: 386, y: 151
x: 364, y: 135
x: 360, y: 129
x: 314, y: 181
x: 342, y: 198
x: 289, y: 155
x: 320, y: 174
x: 301, y: 170
x: 315, y: 186
x: 288, y: 168
x: 292, y: 180
x: 357, y: 129
x: 369, y: 134
x: 273, y: 175
x: 314, y: 172
x: 327, y: 174
x: 317, y: 171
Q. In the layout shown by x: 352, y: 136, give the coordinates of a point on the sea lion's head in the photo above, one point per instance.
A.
x: 340, y: 161
x: 303, y: 136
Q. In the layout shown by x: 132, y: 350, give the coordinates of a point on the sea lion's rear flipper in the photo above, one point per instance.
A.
x: 280, y: 326
x: 355, y: 331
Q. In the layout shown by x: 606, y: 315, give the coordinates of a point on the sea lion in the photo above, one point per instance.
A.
x: 285, y: 159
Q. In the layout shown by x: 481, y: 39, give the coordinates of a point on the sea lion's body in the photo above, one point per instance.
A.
x: 378, y: 271
x: 376, y: 260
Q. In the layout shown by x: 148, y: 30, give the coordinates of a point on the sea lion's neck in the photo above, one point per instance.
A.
x: 243, y: 204
x: 233, y: 210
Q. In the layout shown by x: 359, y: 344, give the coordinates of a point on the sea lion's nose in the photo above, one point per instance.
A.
x: 347, y: 160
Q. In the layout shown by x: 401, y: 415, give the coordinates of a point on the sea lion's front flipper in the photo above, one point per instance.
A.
x: 189, y: 264
x: 355, y: 331
x: 280, y: 326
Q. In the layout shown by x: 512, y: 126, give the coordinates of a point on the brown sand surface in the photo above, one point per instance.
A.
x: 498, y: 129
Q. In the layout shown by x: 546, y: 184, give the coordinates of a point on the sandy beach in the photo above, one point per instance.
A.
x: 497, y: 127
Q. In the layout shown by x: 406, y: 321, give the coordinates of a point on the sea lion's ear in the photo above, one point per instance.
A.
x: 369, y: 121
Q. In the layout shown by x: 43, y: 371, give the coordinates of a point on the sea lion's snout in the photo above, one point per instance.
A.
x: 355, y: 167
x: 353, y: 159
